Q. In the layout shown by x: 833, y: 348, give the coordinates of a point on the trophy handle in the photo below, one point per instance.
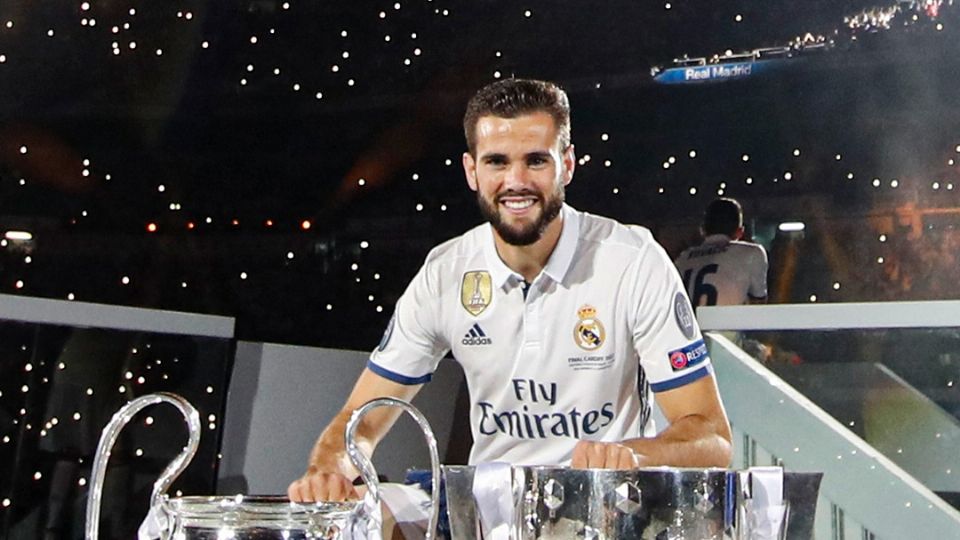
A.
x: 369, y: 474
x: 109, y: 437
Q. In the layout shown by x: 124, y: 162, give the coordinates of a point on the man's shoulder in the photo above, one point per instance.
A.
x: 458, y: 248
x: 743, y: 245
x: 608, y: 231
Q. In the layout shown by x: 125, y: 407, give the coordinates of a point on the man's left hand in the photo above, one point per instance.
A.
x: 604, y: 455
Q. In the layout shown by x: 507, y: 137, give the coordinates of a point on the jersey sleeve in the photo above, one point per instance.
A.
x: 758, y: 273
x: 411, y: 347
x: 665, y: 333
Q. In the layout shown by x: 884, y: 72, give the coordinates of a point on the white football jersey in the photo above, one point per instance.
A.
x: 558, y: 360
x: 723, y: 272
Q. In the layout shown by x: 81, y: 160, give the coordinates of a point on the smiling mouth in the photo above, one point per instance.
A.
x: 521, y: 204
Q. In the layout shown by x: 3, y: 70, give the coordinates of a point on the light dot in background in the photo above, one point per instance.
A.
x: 448, y: 162
x: 50, y: 32
x: 364, y: 244
x: 318, y: 95
x: 745, y: 158
x: 71, y: 296
x: 883, y: 238
x: 607, y: 163
x: 243, y: 275
x: 205, y: 44
x: 738, y: 18
x: 415, y: 177
x: 894, y: 183
x: 19, y: 284
x: 850, y: 176
x: 692, y: 154
x: 419, y: 207
x: 796, y: 151
x: 6, y: 503
x: 616, y: 190
x: 749, y: 180
x: 693, y: 191
x: 838, y: 157
x: 362, y: 181
x: 148, y: 421
x: 527, y: 13
x: 813, y: 298
x: 125, y: 280
x: 604, y: 137
x: 82, y: 482
x: 788, y: 175
x: 668, y: 5
x: 139, y: 452
x: 23, y: 149
x: 37, y: 475
x: 209, y: 389
x: 836, y: 285
x: 253, y: 39
x: 671, y: 160
x: 876, y: 182
x: 879, y: 260
x: 329, y: 307
x: 496, y: 74
x: 666, y: 164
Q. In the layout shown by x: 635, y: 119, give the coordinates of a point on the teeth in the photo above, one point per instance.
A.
x: 518, y: 205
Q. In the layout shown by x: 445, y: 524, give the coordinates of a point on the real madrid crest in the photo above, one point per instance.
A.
x: 588, y: 333
x: 476, y: 291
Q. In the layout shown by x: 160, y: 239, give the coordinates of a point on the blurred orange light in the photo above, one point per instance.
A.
x: 190, y: 225
x: 151, y: 227
x: 236, y: 222
x: 305, y: 225
x: 269, y: 223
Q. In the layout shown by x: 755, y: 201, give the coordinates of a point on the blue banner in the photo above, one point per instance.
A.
x: 712, y: 72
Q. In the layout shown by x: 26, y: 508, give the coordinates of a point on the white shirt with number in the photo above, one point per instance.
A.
x: 723, y: 272
x: 561, y: 361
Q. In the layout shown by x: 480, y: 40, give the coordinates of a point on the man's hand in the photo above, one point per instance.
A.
x: 604, y: 455
x: 318, y: 486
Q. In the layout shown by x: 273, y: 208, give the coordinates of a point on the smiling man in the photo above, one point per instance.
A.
x: 565, y: 324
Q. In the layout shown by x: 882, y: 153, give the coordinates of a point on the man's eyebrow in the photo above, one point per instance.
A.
x: 492, y: 155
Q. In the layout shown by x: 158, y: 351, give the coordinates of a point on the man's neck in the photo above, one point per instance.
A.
x: 528, y: 261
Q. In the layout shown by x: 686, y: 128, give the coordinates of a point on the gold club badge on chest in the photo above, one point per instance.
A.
x: 476, y: 291
x: 588, y: 333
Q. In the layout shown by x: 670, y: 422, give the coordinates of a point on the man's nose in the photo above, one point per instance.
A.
x: 515, y: 176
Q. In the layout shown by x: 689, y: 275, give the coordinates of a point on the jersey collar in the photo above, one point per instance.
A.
x: 717, y: 238
x: 558, y: 263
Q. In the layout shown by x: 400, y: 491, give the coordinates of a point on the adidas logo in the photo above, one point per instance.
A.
x: 476, y: 336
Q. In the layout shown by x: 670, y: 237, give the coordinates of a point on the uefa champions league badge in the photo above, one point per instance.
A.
x: 476, y: 291
x: 683, y: 314
x: 588, y: 333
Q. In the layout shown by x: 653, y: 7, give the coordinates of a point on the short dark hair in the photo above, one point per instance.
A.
x: 510, y: 98
x: 723, y: 216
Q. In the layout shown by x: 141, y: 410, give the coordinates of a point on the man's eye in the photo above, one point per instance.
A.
x: 536, y: 161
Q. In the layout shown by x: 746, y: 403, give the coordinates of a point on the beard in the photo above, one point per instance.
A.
x: 524, y: 234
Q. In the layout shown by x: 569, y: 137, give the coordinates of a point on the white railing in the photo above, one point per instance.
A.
x: 864, y: 493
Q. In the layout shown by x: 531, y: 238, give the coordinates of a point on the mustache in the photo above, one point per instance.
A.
x: 518, y: 193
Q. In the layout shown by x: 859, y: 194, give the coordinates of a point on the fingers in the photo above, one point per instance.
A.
x: 322, y: 487
x: 604, y: 455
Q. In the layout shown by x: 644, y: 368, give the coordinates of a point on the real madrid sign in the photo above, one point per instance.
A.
x: 476, y: 291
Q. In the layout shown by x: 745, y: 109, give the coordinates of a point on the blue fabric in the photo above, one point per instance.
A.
x: 423, y: 479
x: 396, y: 377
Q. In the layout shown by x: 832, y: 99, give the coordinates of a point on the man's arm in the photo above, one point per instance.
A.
x: 698, y: 435
x: 330, y: 473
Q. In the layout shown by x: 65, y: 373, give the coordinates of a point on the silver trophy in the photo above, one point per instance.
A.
x: 245, y: 517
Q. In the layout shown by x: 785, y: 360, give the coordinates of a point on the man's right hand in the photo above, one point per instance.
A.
x: 318, y: 486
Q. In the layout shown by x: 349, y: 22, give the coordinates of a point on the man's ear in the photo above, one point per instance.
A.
x: 470, y: 170
x: 738, y: 234
x: 569, y: 164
